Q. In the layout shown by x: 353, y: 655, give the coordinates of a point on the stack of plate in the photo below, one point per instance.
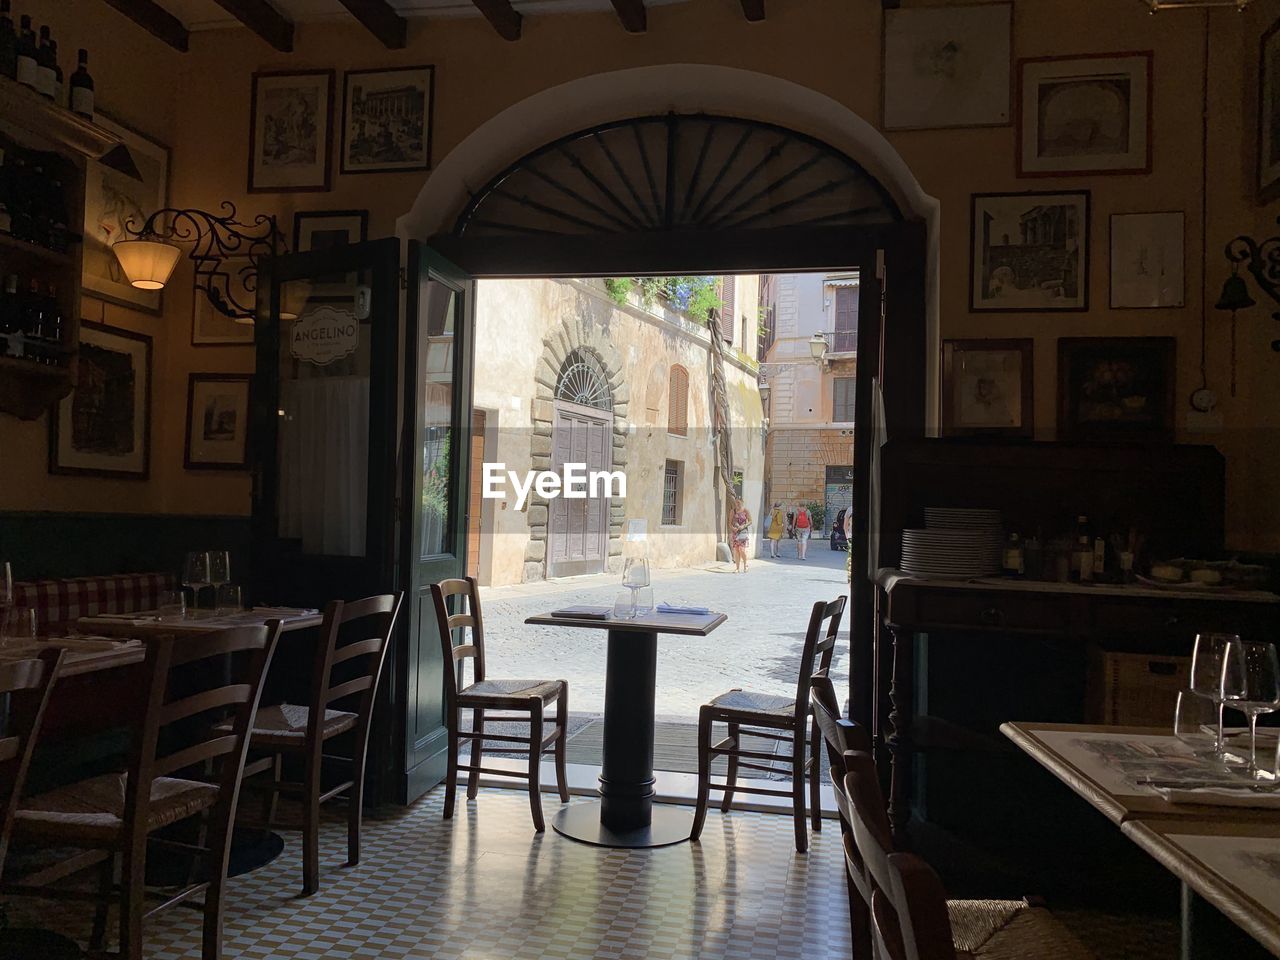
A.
x: 956, y: 543
x: 963, y: 518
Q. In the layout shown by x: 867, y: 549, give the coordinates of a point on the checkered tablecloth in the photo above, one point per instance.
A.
x: 60, y: 603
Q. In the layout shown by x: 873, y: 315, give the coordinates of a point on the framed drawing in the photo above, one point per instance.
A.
x: 209, y: 327
x: 217, y: 421
x: 324, y: 230
x: 1147, y: 260
x: 1029, y: 252
x: 386, y: 119
x: 987, y: 388
x: 112, y: 201
x: 291, y: 131
x: 103, y: 427
x: 947, y: 66
x: 1116, y: 388
x: 1269, y: 115
x: 1084, y: 115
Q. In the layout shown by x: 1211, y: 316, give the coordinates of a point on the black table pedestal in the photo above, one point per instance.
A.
x: 625, y: 816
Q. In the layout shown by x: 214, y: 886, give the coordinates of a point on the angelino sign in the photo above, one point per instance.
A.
x: 323, y: 335
x: 573, y: 483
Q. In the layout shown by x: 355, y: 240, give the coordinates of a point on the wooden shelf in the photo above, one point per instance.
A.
x: 63, y: 129
x: 28, y: 389
x: 22, y: 248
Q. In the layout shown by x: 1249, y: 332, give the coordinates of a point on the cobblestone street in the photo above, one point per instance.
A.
x: 758, y: 648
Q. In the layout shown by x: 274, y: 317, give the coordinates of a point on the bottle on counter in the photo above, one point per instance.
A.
x: 45, y: 72
x: 81, y: 96
x: 25, y: 69
x: 1033, y: 558
x: 8, y: 42
x: 1013, y: 556
x: 59, y: 88
x: 1099, y: 557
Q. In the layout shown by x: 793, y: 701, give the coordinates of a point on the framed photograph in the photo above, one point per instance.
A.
x: 947, y: 66
x: 386, y: 119
x: 217, y: 421
x: 1029, y: 252
x: 103, y: 427
x: 1117, y: 388
x: 324, y: 230
x: 212, y: 328
x: 112, y: 201
x: 291, y: 131
x: 1269, y: 115
x: 1084, y: 115
x: 987, y: 388
x: 1147, y: 260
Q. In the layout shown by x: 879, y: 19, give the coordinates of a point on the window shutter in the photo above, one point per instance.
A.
x: 846, y: 333
x: 678, y: 402
x: 729, y: 309
x: 844, y: 399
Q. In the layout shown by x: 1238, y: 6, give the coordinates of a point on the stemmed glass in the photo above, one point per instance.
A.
x: 635, y: 574
x: 1251, y: 683
x: 1207, y: 658
x: 195, y: 574
x: 219, y: 567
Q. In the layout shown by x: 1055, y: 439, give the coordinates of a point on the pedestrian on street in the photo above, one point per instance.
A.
x: 777, y: 527
x: 740, y: 524
x: 804, y: 527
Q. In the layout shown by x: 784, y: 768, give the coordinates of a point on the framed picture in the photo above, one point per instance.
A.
x: 217, y: 421
x: 1029, y: 252
x: 113, y: 201
x: 291, y: 131
x: 324, y: 230
x: 212, y: 328
x: 103, y: 427
x: 987, y: 388
x: 1147, y: 260
x: 947, y: 66
x: 1116, y: 388
x: 386, y: 119
x: 1269, y: 115
x: 1084, y: 115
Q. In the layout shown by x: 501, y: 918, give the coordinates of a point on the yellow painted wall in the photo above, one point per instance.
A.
x: 200, y: 104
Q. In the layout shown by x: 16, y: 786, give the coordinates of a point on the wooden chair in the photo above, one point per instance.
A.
x: 523, y: 701
x: 354, y: 638
x: 760, y: 715
x: 113, y: 817
x: 28, y: 684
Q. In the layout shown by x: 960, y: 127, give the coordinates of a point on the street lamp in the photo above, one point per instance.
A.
x: 818, y: 347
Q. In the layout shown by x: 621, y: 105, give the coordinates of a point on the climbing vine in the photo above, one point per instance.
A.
x: 696, y: 297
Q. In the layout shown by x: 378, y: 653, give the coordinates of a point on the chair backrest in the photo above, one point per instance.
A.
x: 470, y: 618
x: 871, y: 835
x: 910, y: 915
x: 28, y: 684
x: 864, y: 765
x: 819, y: 646
x: 840, y: 734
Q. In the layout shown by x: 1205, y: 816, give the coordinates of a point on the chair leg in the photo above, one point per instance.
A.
x: 106, y: 874
x: 859, y: 922
x: 355, y: 809
x: 451, y: 776
x: 311, y: 831
x: 562, y: 742
x: 815, y: 777
x: 797, y: 790
x: 477, y: 751
x: 132, y: 889
x: 535, y: 763
x: 704, y: 773
x: 731, y: 777
x: 212, y: 945
x: 269, y: 796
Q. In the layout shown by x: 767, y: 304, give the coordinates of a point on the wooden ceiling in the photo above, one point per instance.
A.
x: 173, y: 21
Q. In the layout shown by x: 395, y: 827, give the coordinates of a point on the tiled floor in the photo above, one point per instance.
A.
x: 486, y: 886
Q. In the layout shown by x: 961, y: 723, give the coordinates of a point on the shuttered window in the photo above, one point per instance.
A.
x: 729, y: 307
x: 842, y: 390
x: 672, y: 493
x: 678, y: 401
x: 846, y: 333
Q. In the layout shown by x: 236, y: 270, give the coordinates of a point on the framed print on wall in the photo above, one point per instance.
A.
x: 103, y: 427
x: 987, y: 388
x: 237, y: 278
x: 1029, y: 252
x: 324, y: 230
x: 947, y: 66
x: 291, y: 131
x: 1269, y: 115
x: 217, y: 421
x: 112, y: 201
x: 1147, y: 260
x: 386, y: 119
x: 1117, y: 388
x: 1084, y: 115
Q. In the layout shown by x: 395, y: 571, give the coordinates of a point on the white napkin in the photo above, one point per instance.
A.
x: 692, y: 611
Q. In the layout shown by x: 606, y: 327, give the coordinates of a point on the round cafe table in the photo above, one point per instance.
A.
x: 625, y: 815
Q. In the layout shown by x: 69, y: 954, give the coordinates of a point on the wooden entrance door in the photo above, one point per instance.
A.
x: 473, y: 496
x: 578, y: 530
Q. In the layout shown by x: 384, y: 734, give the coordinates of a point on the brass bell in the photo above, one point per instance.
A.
x: 1235, y: 294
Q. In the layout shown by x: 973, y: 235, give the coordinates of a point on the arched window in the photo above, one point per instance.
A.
x: 678, y: 401
x: 582, y: 380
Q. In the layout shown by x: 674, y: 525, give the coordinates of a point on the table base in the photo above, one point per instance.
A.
x: 581, y: 822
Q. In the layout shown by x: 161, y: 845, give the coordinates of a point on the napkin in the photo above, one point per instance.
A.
x: 692, y: 611
x: 1225, y: 797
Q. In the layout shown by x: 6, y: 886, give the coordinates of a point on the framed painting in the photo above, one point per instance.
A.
x: 949, y: 66
x: 324, y: 230
x: 1029, y: 252
x: 113, y: 201
x: 386, y: 119
x: 1084, y: 115
x: 987, y: 388
x: 291, y: 131
x: 237, y: 278
x: 1268, y: 185
x: 1117, y: 389
x: 1147, y: 260
x: 103, y: 427
x: 217, y: 421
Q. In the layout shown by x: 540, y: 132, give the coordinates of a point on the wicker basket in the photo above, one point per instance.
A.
x: 1137, y: 689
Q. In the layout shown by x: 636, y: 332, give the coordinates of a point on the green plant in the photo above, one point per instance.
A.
x: 818, y: 513
x: 696, y: 297
x: 435, y: 482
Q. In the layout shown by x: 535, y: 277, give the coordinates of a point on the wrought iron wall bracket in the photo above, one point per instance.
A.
x: 1262, y: 260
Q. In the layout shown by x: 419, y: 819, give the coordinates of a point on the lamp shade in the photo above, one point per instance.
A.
x: 818, y: 346
x: 1235, y: 294
x: 147, y: 263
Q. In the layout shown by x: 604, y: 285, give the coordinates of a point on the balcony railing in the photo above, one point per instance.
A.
x: 841, y: 341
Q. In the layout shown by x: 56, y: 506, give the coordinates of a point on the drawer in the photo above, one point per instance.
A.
x: 1175, y: 619
x: 972, y: 610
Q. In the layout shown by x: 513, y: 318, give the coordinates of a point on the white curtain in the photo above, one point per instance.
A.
x: 324, y: 464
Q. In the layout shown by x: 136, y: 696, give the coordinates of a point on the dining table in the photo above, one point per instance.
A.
x: 1227, y: 857
x: 625, y: 815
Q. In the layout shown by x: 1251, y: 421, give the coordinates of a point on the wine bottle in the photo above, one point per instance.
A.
x: 8, y: 42
x: 52, y: 327
x: 82, y: 88
x: 25, y: 68
x: 59, y: 88
x: 33, y: 313
x: 44, y: 65
x: 11, y: 317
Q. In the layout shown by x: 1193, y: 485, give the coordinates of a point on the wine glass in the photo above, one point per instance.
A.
x: 635, y: 574
x: 1207, y: 659
x: 229, y: 599
x: 172, y: 605
x: 195, y: 574
x: 219, y: 567
x: 1194, y: 717
x: 6, y: 584
x: 1251, y: 684
x: 17, y: 626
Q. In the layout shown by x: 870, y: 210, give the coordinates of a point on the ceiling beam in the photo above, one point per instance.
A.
x: 155, y: 20
x: 502, y: 16
x: 632, y: 15
x: 753, y: 10
x: 264, y: 20
x: 380, y: 19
